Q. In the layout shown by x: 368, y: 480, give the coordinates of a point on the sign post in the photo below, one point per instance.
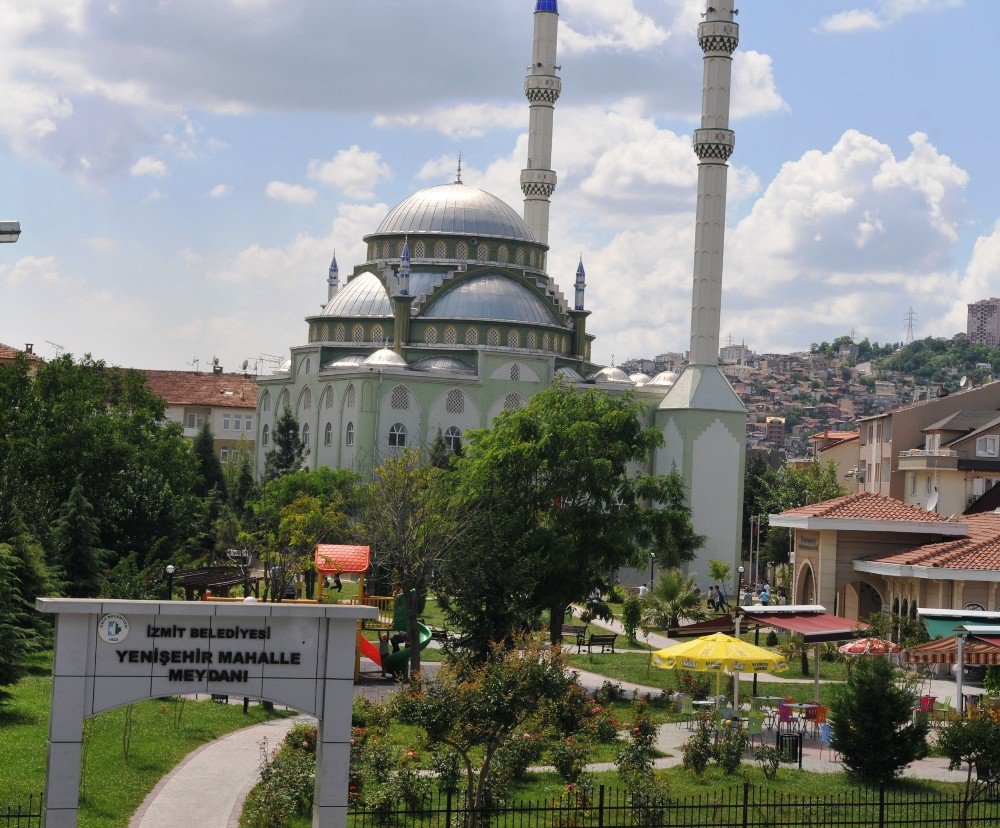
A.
x: 111, y: 653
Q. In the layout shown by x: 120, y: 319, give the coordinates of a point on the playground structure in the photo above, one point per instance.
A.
x: 340, y: 559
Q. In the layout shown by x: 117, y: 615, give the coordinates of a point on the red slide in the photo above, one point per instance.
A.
x: 369, y: 650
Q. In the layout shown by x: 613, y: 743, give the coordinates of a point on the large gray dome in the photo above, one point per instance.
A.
x: 362, y: 296
x: 491, y: 297
x: 455, y: 208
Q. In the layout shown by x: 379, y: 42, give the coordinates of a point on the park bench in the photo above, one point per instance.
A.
x: 576, y: 633
x: 720, y: 624
x: 602, y: 640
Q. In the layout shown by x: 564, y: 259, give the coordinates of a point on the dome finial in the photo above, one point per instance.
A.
x: 458, y: 177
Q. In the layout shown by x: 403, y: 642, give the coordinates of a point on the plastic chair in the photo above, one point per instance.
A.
x: 755, y: 727
x: 825, y: 734
x: 784, y: 717
x: 926, y: 704
x: 687, y: 711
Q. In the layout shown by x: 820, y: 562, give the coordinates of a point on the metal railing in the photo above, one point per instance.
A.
x: 384, y: 604
x: 21, y: 815
x: 929, y: 453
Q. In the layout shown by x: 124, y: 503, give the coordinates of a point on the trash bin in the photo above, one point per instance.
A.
x: 790, y: 745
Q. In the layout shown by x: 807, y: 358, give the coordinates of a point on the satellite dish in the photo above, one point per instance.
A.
x: 963, y: 381
x: 933, y: 502
x: 246, y: 362
x: 215, y: 360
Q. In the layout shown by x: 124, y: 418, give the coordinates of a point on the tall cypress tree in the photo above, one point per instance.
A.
x: 31, y: 573
x: 77, y: 539
x: 212, y: 476
x: 288, y: 451
x: 17, y: 638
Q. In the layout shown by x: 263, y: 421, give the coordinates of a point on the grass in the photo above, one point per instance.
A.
x: 157, y: 745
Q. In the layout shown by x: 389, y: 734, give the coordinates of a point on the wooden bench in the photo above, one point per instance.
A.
x: 442, y: 636
x: 576, y: 633
x: 602, y: 640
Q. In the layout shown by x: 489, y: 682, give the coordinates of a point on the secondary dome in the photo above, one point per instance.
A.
x: 491, y: 297
x: 455, y: 208
x: 612, y: 374
x: 639, y: 378
x: 385, y: 358
x: 443, y: 363
x: 663, y: 378
x: 362, y: 296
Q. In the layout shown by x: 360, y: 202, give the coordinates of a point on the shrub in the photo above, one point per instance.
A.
x: 517, y: 755
x: 876, y: 734
x: 569, y: 757
x: 697, y: 749
x: 772, y: 639
x: 287, y: 780
x: 631, y: 615
x: 412, y: 787
x: 448, y: 770
x: 572, y: 710
x: 609, y: 691
x: 728, y: 751
x: 769, y: 757
x: 697, y: 685
x: 991, y: 681
x: 633, y: 762
x: 605, y: 728
x: 650, y: 799
x: 617, y: 594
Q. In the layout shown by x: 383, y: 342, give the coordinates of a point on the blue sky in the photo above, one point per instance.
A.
x: 183, y: 170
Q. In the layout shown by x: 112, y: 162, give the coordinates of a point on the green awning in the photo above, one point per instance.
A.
x: 942, y: 627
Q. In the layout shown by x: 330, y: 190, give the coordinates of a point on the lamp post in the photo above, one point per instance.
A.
x: 9, y: 231
x: 652, y: 565
x: 739, y: 583
x: 170, y: 581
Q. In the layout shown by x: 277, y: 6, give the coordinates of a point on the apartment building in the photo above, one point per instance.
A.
x: 983, y: 326
x: 9, y: 354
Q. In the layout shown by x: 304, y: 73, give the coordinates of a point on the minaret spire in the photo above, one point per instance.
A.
x: 542, y: 87
x: 458, y: 176
x: 581, y: 284
x: 333, y: 279
x: 718, y: 37
x: 404, y: 269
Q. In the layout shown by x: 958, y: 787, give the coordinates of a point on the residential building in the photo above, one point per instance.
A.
x: 9, y: 354
x: 842, y: 448
x: 774, y: 430
x: 983, y: 327
x: 227, y: 402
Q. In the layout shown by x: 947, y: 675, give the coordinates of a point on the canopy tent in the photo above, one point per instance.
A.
x: 987, y: 633
x: 941, y: 623
x: 811, y: 621
x: 945, y: 651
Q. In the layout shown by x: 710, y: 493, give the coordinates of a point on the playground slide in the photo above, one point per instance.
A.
x: 370, y: 650
x: 396, y: 662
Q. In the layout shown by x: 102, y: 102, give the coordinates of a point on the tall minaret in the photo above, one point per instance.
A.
x: 542, y: 87
x: 718, y: 37
x: 333, y: 280
x: 404, y: 269
x: 581, y: 284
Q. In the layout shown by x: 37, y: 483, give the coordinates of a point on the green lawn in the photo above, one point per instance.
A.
x: 157, y: 745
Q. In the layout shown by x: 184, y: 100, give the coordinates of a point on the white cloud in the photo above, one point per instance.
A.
x: 220, y: 191
x: 754, y: 90
x: 472, y: 120
x: 593, y: 25
x: 154, y: 195
x: 31, y: 270
x: 884, y: 14
x: 353, y: 171
x: 147, y: 165
x: 290, y: 193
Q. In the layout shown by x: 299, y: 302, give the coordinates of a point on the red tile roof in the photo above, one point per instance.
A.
x: 198, y: 388
x: 336, y: 557
x: 8, y: 353
x: 865, y: 506
x: 980, y: 550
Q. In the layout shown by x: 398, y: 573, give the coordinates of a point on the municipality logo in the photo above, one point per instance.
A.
x: 112, y: 628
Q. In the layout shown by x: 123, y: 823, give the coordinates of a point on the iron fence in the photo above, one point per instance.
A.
x: 745, y: 806
x: 22, y: 816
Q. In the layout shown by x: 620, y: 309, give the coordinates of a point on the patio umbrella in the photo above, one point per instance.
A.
x: 869, y: 646
x: 716, y: 654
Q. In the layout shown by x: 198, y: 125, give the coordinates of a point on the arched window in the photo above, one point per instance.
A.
x: 455, y: 402
x: 462, y: 251
x: 453, y: 439
x: 493, y: 337
x: 513, y: 340
x: 329, y: 397
x: 532, y: 340
x: 308, y: 366
x: 471, y: 336
x: 399, y: 249
x: 349, y: 435
x: 534, y: 258
x: 265, y: 401
x: 483, y: 253
x: 513, y: 402
x: 359, y: 334
x: 430, y: 335
x: 312, y: 335
x: 284, y: 401
x: 545, y: 342
x: 515, y: 372
x: 385, y: 250
x: 519, y: 256
x: 503, y: 254
x: 450, y: 336
x: 397, y: 435
x: 328, y: 435
x: 326, y: 332
x: 440, y: 251
x: 400, y: 398
x: 419, y: 250
x: 305, y: 435
x: 377, y: 334
x: 265, y: 437
x: 339, y: 334
x: 307, y: 400
x: 352, y: 396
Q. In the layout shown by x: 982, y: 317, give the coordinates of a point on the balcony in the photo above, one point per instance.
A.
x: 929, y: 453
x: 924, y: 459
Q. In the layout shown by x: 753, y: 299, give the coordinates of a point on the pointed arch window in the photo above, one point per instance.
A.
x: 386, y: 250
x: 513, y: 340
x: 430, y: 335
x: 326, y: 332
x: 349, y: 435
x: 328, y: 435
x: 339, y: 334
x: 307, y: 400
x: 351, y: 396
x: 519, y: 256
x: 532, y: 340
x: 265, y: 437
x: 308, y: 366
x: 493, y: 337
x: 419, y: 250
x: 472, y: 337
x: 453, y: 439
x: 305, y: 435
x: 515, y: 372
x: 545, y: 342
x: 513, y: 402
x: 503, y: 255
x: 400, y: 398
x: 284, y: 401
x: 455, y: 402
x: 399, y: 249
x: 378, y: 334
x: 397, y: 435
x: 483, y: 253
x: 534, y: 258
x: 359, y: 334
x: 450, y: 336
x: 440, y: 250
x: 329, y: 397
x: 265, y: 401
x: 462, y: 251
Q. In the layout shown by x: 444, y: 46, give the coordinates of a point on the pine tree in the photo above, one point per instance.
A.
x: 77, y: 535
x: 288, y: 451
x: 30, y: 571
x: 17, y: 638
x: 212, y: 476
x: 439, y: 454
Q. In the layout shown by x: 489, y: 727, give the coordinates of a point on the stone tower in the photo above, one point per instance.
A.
x: 542, y: 87
x: 701, y: 417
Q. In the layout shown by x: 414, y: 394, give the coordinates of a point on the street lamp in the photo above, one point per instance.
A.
x: 9, y: 231
x: 170, y: 582
x: 739, y: 582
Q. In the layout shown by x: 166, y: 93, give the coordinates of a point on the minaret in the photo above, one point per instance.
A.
x: 542, y: 87
x: 404, y: 269
x: 718, y: 37
x: 333, y: 280
x: 581, y: 284
x: 579, y: 315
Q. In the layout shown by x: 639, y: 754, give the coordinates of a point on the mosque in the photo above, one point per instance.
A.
x: 454, y: 318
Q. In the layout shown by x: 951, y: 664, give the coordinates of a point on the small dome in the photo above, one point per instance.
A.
x: 491, y: 297
x: 568, y: 374
x: 362, y: 296
x: 665, y: 378
x: 639, y: 378
x: 455, y: 208
x: 443, y: 363
x: 611, y: 374
x: 385, y: 358
x: 285, y: 367
x: 345, y: 361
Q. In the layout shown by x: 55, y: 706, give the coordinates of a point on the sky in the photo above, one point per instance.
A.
x: 183, y: 170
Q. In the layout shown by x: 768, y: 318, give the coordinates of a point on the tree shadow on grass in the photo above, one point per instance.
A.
x: 9, y: 717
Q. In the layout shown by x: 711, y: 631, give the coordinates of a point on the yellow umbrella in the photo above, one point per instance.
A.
x: 718, y: 653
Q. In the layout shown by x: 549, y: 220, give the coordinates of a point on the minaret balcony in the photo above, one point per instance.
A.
x: 718, y: 38
x: 542, y: 89
x: 538, y: 183
x: 714, y: 144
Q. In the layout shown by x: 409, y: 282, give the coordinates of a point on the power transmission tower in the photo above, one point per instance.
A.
x: 911, y: 319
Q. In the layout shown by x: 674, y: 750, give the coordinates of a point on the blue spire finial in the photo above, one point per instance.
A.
x: 547, y: 6
x: 580, y: 272
x: 333, y: 264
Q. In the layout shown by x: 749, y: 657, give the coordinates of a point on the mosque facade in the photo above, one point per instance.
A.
x: 453, y: 318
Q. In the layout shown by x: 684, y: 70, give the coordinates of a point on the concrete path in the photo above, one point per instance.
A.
x: 209, y: 786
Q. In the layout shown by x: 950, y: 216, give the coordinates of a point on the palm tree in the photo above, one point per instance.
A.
x: 674, y: 597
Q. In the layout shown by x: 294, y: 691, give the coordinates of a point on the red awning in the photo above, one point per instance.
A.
x: 945, y: 651
x: 814, y: 627
x: 993, y: 640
